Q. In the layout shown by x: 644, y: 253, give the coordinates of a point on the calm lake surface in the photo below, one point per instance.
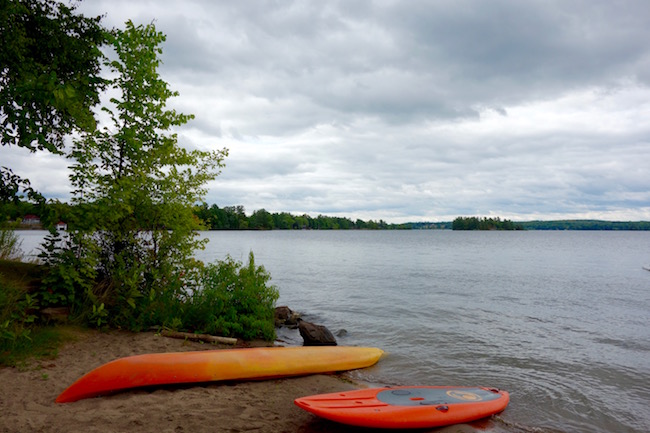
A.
x: 559, y: 319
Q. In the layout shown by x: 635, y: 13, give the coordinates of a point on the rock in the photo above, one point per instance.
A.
x: 341, y: 332
x: 315, y: 335
x: 284, y: 316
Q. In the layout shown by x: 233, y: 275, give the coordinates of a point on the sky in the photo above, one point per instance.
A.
x: 406, y: 110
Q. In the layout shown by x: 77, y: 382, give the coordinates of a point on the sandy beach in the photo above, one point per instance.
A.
x: 27, y: 395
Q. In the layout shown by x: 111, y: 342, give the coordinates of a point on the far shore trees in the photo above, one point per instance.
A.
x: 475, y: 223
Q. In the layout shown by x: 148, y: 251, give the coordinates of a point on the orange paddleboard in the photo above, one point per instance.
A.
x: 215, y: 365
x: 407, y: 406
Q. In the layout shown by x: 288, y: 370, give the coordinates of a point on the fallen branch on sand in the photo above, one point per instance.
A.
x: 199, y: 337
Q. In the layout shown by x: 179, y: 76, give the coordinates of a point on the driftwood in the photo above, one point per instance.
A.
x: 199, y: 337
x: 56, y: 314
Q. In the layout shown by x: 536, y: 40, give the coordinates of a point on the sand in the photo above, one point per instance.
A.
x: 27, y: 395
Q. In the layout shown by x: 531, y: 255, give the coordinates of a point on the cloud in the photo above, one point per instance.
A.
x: 413, y: 111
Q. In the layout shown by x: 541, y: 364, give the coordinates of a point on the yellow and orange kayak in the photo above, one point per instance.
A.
x: 215, y: 365
x: 407, y: 407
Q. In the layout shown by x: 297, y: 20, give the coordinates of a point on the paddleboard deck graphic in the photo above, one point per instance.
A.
x: 217, y: 365
x: 407, y: 407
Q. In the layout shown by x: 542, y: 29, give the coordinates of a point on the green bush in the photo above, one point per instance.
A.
x: 226, y: 298
x: 16, y: 316
x: 69, y: 277
x: 234, y: 300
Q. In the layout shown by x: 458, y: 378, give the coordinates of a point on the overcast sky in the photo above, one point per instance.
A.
x: 407, y: 110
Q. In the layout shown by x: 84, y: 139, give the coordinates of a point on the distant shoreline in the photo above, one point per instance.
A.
x: 567, y: 225
x: 572, y: 225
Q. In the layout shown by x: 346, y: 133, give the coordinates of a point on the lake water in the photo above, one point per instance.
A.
x: 561, y: 320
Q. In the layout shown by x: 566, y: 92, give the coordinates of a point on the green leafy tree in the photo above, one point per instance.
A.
x: 49, y: 73
x: 236, y: 217
x: 475, y: 223
x: 301, y: 222
x: 13, y: 189
x: 49, y: 79
x: 283, y: 221
x: 261, y: 219
x: 135, y: 186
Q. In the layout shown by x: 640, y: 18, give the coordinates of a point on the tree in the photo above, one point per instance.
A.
x: 261, y: 219
x: 135, y: 186
x: 49, y: 78
x: 283, y: 221
x: 236, y: 217
x: 11, y: 186
x: 475, y: 223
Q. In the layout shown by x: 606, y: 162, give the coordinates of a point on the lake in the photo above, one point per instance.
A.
x: 560, y: 319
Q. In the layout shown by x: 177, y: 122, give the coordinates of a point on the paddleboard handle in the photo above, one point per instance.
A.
x: 442, y: 408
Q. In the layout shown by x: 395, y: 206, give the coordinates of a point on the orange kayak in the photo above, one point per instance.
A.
x: 406, y: 407
x: 215, y: 365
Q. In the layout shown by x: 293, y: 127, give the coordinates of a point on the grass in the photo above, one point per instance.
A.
x: 17, y: 279
x: 26, y: 276
x: 44, y: 344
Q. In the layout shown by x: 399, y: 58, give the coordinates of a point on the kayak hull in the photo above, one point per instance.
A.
x: 217, y: 365
x: 407, y: 407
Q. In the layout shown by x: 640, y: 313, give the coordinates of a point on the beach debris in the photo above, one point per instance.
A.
x: 199, y: 337
x: 55, y: 314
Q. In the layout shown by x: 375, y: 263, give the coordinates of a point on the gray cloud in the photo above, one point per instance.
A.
x: 421, y: 110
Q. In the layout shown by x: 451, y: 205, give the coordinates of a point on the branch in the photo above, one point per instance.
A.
x: 199, y: 337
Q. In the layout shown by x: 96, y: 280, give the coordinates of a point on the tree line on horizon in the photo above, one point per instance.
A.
x: 234, y: 218
x: 586, y: 225
x: 476, y: 223
x: 213, y: 217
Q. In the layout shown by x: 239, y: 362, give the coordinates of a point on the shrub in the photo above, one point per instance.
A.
x: 70, y: 277
x: 233, y: 300
x: 16, y: 316
x: 10, y: 245
x: 226, y: 298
